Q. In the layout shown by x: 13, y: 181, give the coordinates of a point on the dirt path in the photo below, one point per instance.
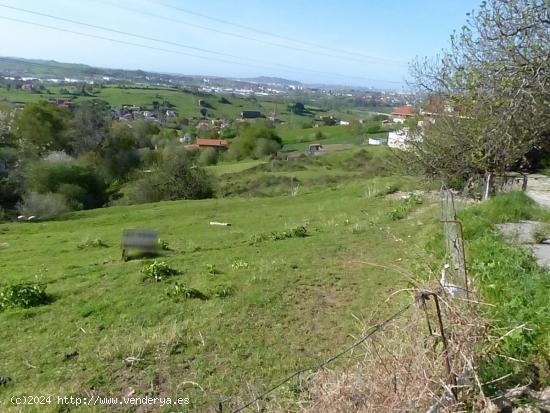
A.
x: 538, y: 188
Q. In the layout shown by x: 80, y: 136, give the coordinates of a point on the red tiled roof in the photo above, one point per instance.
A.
x: 219, y: 143
x: 404, y: 111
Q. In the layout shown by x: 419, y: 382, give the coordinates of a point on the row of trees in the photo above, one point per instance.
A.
x: 496, y: 79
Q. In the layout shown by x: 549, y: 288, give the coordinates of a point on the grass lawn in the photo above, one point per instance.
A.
x: 297, y: 302
x: 232, y: 167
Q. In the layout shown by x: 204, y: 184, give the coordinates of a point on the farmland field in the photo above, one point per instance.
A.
x: 291, y: 301
x: 185, y: 102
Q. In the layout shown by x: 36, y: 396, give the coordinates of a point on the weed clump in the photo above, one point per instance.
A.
x: 158, y: 270
x: 24, y: 295
x: 239, y: 265
x: 541, y: 234
x: 163, y: 245
x: 405, y: 206
x: 212, y: 270
x: 92, y: 243
x: 221, y: 291
x: 181, y: 291
x: 298, y: 232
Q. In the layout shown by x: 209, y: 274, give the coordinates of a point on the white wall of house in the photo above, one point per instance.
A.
x: 401, y: 138
x: 376, y: 142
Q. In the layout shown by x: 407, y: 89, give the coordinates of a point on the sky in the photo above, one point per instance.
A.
x: 345, y: 42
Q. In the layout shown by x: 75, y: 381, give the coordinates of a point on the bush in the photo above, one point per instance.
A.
x: 209, y: 156
x: 176, y: 178
x: 82, y: 185
x: 257, y: 140
x: 43, y: 206
x: 74, y: 195
x: 266, y: 147
x: 23, y: 295
x: 158, y: 270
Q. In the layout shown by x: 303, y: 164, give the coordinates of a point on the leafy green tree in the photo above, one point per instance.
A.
x: 144, y: 131
x: 82, y: 185
x: 175, y: 177
x: 298, y: 108
x: 41, y: 127
x: 209, y: 156
x: 165, y: 137
x: 245, y: 145
x: 119, y: 151
x: 89, y: 126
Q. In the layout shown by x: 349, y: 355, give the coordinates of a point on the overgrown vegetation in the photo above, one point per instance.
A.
x: 509, y: 279
x: 158, y: 270
x: 24, y: 295
x: 181, y: 291
x: 405, y: 205
x: 297, y: 232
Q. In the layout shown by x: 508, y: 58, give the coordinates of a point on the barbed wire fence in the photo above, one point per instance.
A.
x: 449, y: 329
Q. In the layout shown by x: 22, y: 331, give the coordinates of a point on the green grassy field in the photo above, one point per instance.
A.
x: 232, y: 167
x: 307, y: 173
x: 297, y: 302
x: 186, y: 103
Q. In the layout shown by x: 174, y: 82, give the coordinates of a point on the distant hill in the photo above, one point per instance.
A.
x: 269, y: 80
x: 19, y: 67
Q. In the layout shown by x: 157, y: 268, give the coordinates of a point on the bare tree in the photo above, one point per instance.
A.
x: 496, y: 77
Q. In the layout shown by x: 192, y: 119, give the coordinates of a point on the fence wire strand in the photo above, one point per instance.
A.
x: 378, y: 327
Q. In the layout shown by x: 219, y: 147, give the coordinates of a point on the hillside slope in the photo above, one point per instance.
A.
x: 291, y: 301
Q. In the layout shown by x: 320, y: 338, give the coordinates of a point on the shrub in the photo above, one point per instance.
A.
x: 23, y: 295
x: 266, y: 147
x: 178, y: 290
x: 257, y: 140
x: 209, y: 156
x: 74, y: 195
x: 175, y: 178
x: 80, y: 184
x: 158, y: 270
x: 43, y: 206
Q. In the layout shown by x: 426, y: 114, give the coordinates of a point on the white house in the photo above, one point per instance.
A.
x: 344, y: 123
x: 376, y: 142
x: 401, y: 138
